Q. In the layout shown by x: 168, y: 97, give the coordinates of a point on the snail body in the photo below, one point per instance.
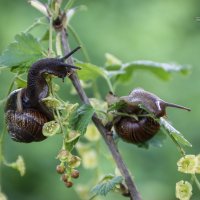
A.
x: 25, y: 113
x: 140, y: 103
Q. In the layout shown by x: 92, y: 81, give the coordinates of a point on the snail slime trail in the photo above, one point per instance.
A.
x: 25, y: 113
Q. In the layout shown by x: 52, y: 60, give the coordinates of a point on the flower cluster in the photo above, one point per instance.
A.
x: 189, y: 164
x: 68, y: 163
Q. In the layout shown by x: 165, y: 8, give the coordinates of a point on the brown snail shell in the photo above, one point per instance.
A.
x: 140, y: 103
x: 25, y: 112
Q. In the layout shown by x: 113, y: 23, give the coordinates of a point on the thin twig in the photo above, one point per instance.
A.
x: 134, y: 194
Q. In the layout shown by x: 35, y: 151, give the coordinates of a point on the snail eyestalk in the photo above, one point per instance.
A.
x: 70, y: 53
x: 177, y: 106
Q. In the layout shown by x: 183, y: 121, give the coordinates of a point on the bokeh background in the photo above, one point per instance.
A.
x: 163, y: 31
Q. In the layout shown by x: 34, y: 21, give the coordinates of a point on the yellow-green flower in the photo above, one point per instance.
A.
x: 198, y: 164
x: 92, y: 134
x: 19, y: 165
x: 64, y: 155
x: 52, y: 102
x: 89, y: 159
x: 183, y: 190
x: 187, y: 164
x: 50, y: 128
x: 74, y: 161
x: 82, y: 148
x: 83, y: 191
x: 3, y: 196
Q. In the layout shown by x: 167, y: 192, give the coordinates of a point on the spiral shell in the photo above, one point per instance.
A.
x: 140, y: 103
x: 133, y: 131
x: 23, y: 124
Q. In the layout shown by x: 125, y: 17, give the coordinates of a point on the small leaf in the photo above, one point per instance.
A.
x: 112, y: 60
x: 81, y: 118
x: 90, y: 71
x: 106, y: 185
x: 162, y: 70
x: 70, y: 143
x: 20, y: 83
x: 24, y: 51
x: 72, y: 11
x: 39, y: 6
x: 174, y: 133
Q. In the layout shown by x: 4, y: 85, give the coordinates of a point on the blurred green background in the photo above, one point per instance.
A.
x: 163, y: 31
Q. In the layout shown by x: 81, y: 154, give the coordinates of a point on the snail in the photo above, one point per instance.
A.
x: 25, y: 113
x: 140, y: 103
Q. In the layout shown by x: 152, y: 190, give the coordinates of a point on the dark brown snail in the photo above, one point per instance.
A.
x: 25, y: 112
x: 140, y: 103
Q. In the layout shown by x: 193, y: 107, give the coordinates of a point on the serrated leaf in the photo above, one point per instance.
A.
x: 174, y: 133
x: 22, y: 52
x: 161, y: 70
x: 90, y: 71
x: 108, y: 184
x: 81, y: 118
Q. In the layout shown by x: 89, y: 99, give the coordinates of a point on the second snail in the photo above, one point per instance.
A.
x: 136, y: 116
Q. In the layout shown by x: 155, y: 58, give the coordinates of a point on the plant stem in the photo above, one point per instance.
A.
x: 196, y: 181
x: 78, y: 40
x: 109, y: 85
x: 35, y: 24
x: 134, y: 194
x: 50, y: 36
x: 58, y: 45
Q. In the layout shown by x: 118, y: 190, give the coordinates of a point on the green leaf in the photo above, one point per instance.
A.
x: 69, y: 144
x: 24, y: 51
x: 90, y: 71
x: 20, y: 83
x: 106, y: 185
x: 161, y: 70
x: 174, y: 133
x: 82, y: 118
x: 74, y: 10
x: 112, y: 60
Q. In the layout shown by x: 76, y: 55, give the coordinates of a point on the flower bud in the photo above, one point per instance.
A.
x: 68, y: 184
x: 64, y: 178
x: 75, y: 174
x: 60, y: 169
